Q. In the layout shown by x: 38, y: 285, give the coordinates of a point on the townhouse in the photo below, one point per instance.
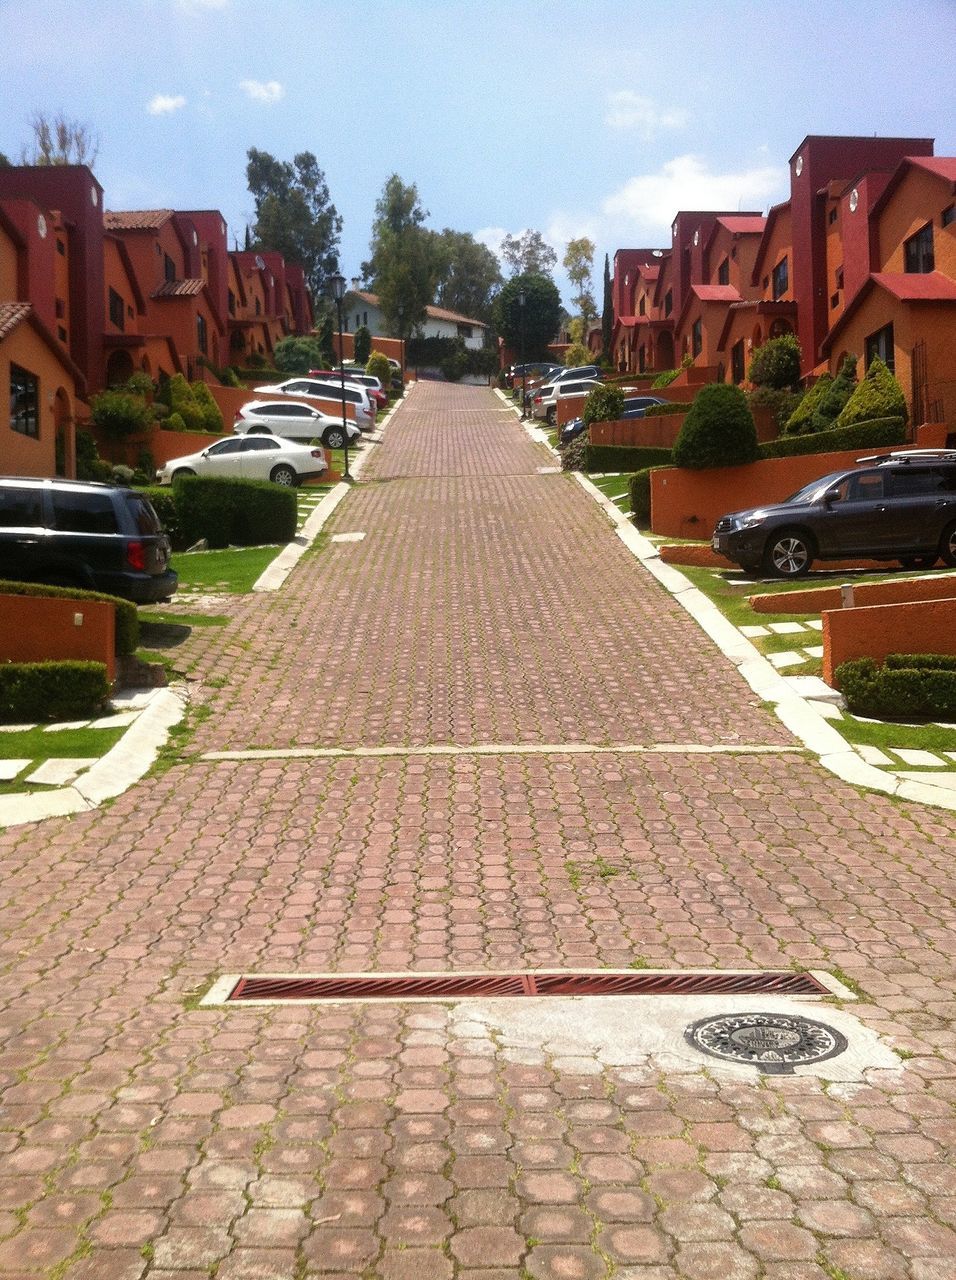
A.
x: 359, y: 307
x: 861, y: 258
x: 89, y: 296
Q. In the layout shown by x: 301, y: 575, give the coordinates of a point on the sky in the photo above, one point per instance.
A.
x: 600, y: 119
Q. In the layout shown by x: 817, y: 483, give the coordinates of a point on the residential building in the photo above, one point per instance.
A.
x: 359, y: 307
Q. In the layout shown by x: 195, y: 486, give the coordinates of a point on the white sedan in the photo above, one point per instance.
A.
x: 252, y: 457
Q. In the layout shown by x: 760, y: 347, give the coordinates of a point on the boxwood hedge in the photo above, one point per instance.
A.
x: 618, y: 457
x: 51, y: 690
x: 878, y: 433
x: 906, y: 687
x: 227, y: 512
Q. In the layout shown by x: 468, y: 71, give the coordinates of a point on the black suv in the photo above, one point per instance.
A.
x: 74, y: 533
x: 896, y: 506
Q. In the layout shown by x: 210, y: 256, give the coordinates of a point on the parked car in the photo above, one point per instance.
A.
x: 895, y: 506
x: 536, y: 369
x: 544, y: 403
x: 249, y: 457
x: 634, y: 407
x: 294, y: 420
x: 372, y: 384
x: 74, y: 533
x: 329, y: 388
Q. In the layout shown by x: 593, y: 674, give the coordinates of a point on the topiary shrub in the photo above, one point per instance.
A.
x: 906, y: 687
x: 577, y: 354
x: 175, y: 423
x: 718, y: 431
x: 801, y: 419
x: 211, y: 413
x: 377, y: 366
x: 51, y: 690
x: 574, y: 455
x: 120, y: 413
x: 228, y: 512
x: 140, y: 384
x: 666, y: 378
x: 603, y: 404
x: 616, y: 459
x: 362, y: 345
x: 837, y: 394
x: 777, y: 363
x: 878, y: 395
x: 181, y: 401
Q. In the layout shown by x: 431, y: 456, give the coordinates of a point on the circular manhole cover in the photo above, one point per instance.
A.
x: 774, y: 1042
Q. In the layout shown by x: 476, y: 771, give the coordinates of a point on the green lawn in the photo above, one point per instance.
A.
x: 37, y: 745
x: 232, y: 570
x: 617, y: 488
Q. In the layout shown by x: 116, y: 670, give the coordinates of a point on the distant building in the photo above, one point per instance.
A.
x: 361, y: 308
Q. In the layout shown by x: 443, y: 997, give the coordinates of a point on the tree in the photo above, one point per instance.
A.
x: 777, y: 363
x: 542, y: 314
x: 294, y: 215
x: 877, y: 395
x: 578, y: 262
x: 528, y: 254
x: 607, y: 315
x: 577, y: 355
x: 403, y: 263
x: 58, y: 140
x: 468, y: 275
x: 297, y: 355
x: 362, y: 348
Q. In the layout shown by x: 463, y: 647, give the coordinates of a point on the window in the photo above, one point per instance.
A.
x: 465, y: 331
x: 169, y: 267
x: 201, y: 336
x: 258, y: 444
x: 865, y: 487
x: 839, y: 277
x: 60, y: 248
x: 668, y: 302
x: 642, y: 305
x: 20, y: 508
x: 918, y: 251
x: 696, y: 339
x: 75, y: 512
x: 832, y: 216
x: 117, y: 311
x: 834, y: 301
x: 61, y: 333
x: 60, y: 308
x: 258, y: 307
x: 781, y: 279
x: 24, y: 402
x: 227, y: 446
x: 948, y: 215
x: 365, y: 319
x: 723, y: 272
x: 881, y: 344
x: 642, y: 359
x: 737, y: 363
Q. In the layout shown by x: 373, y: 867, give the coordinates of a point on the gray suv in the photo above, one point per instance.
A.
x: 75, y: 533
x: 895, y: 506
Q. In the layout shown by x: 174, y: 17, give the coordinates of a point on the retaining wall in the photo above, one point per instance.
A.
x: 927, y: 626
x: 47, y: 629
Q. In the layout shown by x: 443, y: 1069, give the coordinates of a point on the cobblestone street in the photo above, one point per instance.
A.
x: 488, y: 606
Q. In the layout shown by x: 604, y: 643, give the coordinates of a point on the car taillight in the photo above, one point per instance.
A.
x: 136, y: 556
x: 318, y: 453
x: 238, y: 417
x: 537, y: 399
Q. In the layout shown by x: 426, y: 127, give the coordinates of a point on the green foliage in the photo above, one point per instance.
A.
x: 906, y: 687
x: 455, y: 365
x: 878, y: 434
x: 878, y: 395
x: 662, y: 410
x: 363, y: 344
x: 294, y: 214
x: 377, y: 366
x: 227, y: 512
x: 603, y: 404
x: 119, y: 414
x: 211, y: 413
x: 182, y: 402
x: 51, y: 690
x: 89, y: 465
x: 777, y: 363
x: 718, y: 430
x: 665, y: 378
x: 127, y: 619
x: 468, y: 274
x: 542, y: 315
x: 175, y: 423
x: 163, y: 499
x: 801, y: 419
x: 298, y: 355
x: 574, y: 455
x: 640, y: 490
x: 404, y: 263
x: 578, y: 262
x: 139, y: 384
x: 576, y: 355
x: 607, y: 314
x: 837, y: 394
x: 325, y: 337
x: 618, y: 459
x: 781, y: 401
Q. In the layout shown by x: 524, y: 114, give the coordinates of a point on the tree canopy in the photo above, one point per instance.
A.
x: 542, y: 314
x: 59, y: 140
x: 294, y: 214
x: 579, y: 263
x: 403, y: 264
x: 528, y: 254
x: 468, y: 275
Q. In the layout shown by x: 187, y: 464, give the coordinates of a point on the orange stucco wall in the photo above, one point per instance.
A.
x: 864, y: 594
x: 928, y: 626
x: 662, y: 430
x: 44, y: 629
x: 919, y: 198
x: 22, y: 455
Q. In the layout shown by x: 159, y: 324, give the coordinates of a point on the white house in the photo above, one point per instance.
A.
x: 360, y: 308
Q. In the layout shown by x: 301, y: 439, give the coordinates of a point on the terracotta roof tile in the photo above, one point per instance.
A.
x: 136, y: 219
x: 929, y: 286
x: 11, y: 313
x: 180, y: 288
x: 716, y: 292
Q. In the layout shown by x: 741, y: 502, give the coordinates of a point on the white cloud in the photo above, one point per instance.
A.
x: 632, y: 111
x: 164, y: 104
x: 262, y: 90
x: 651, y: 201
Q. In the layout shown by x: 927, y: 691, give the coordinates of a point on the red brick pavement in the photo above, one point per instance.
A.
x: 143, y: 1136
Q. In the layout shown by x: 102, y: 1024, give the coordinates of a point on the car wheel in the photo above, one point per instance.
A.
x: 258, y: 430
x: 788, y: 554
x: 918, y: 562
x: 285, y: 476
x: 947, y: 545
x: 334, y: 438
x: 552, y: 416
x: 183, y: 471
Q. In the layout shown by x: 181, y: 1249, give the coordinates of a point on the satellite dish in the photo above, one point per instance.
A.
x: 259, y: 263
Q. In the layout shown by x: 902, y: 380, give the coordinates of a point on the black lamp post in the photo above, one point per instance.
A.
x: 524, y: 367
x: 338, y: 293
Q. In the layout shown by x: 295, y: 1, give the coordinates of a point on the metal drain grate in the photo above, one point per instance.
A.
x: 458, y: 986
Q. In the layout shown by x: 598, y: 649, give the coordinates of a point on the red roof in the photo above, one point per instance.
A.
x: 435, y: 313
x: 942, y: 166
x: 136, y: 219
x: 744, y: 225
x: 11, y: 313
x: 716, y: 292
x: 930, y: 286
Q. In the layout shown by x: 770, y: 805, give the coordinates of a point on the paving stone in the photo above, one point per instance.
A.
x: 57, y: 772
x: 10, y: 768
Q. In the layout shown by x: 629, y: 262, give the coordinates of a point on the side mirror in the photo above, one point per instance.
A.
x: 831, y: 496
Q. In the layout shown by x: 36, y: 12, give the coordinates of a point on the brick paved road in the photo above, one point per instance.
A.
x: 488, y: 604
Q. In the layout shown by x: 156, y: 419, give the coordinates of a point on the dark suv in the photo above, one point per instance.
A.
x: 896, y: 506
x: 75, y: 533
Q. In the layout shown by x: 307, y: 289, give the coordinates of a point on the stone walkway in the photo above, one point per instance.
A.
x: 487, y: 606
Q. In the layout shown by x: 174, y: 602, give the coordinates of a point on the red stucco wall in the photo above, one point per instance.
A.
x: 873, y: 632
x: 44, y: 629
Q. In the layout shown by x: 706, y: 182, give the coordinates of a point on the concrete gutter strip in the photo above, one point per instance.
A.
x: 135, y: 752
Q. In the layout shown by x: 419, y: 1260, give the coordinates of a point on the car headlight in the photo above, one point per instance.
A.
x: 750, y: 522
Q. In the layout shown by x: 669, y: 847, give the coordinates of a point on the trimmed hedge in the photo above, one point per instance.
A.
x: 620, y: 457
x: 876, y: 434
x: 127, y: 619
x: 227, y: 512
x: 718, y: 431
x: 51, y: 690
x: 659, y: 410
x: 907, y: 687
x: 640, y: 491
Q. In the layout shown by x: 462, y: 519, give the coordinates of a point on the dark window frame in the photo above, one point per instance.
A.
x: 723, y: 272
x: 738, y: 363
x: 918, y: 252
x: 781, y: 278
x: 24, y: 402
x: 697, y: 337
x: 880, y: 343
x: 117, y: 309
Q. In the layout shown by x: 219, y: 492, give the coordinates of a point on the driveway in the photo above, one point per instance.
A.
x: 490, y: 611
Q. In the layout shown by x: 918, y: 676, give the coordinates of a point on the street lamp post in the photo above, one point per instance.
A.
x: 524, y: 368
x: 338, y: 293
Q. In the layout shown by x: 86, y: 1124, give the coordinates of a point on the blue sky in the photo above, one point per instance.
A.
x: 573, y: 118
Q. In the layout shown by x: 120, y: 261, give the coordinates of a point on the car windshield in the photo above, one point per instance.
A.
x: 815, y: 489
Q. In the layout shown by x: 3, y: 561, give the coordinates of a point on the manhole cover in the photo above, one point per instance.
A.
x: 774, y: 1042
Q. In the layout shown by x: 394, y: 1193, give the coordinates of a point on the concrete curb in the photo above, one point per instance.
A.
x: 798, y: 715
x: 127, y: 762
